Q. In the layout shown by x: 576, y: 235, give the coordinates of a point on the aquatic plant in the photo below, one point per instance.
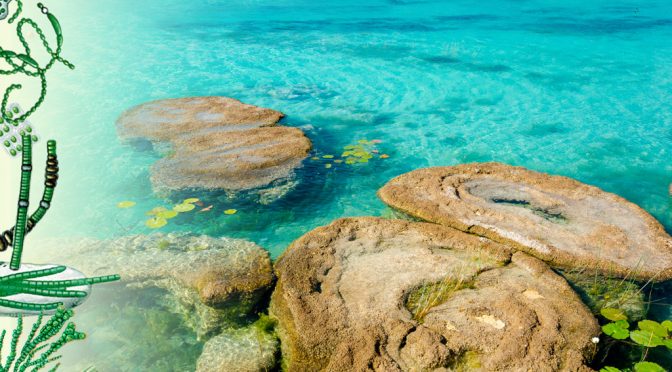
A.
x: 422, y: 299
x: 37, y: 351
x: 361, y: 152
x: 22, y: 63
x: 646, y: 335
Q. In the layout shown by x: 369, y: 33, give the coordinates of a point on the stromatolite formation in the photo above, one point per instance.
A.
x: 392, y: 295
x: 557, y: 219
x: 217, y: 143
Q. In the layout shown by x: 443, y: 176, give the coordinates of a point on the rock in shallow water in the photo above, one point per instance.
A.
x: 239, y: 350
x: 215, y: 281
x: 370, y: 293
x: 559, y: 220
x: 218, y: 143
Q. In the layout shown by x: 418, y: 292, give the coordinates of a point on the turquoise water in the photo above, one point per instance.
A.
x: 577, y: 88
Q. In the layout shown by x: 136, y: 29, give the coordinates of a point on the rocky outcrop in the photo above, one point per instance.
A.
x: 559, y: 220
x: 391, y: 295
x: 213, y: 282
x: 217, y: 143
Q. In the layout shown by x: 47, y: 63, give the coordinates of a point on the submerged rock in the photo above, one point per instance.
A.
x: 559, y: 220
x: 249, y: 349
x: 213, y: 282
x: 217, y: 143
x: 378, y: 294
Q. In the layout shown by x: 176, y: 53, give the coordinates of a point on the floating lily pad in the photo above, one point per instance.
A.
x: 328, y: 156
x: 667, y: 324
x: 314, y: 158
x: 156, y: 211
x: 338, y: 161
x: 184, y: 208
x: 617, y: 330
x: 613, y: 314
x: 231, y: 211
x: 327, y: 166
x: 610, y: 369
x: 156, y: 222
x: 190, y: 201
x: 125, y: 204
x: 646, y: 338
x: 648, y: 367
x: 384, y: 156
x: 653, y: 326
x: 167, y: 214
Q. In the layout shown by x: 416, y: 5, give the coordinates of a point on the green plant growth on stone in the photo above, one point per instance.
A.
x: 422, y: 299
x: 644, y: 335
x: 598, y: 292
x: 393, y: 214
x: 42, y: 344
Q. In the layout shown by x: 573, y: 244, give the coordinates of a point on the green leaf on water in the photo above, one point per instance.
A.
x: 156, y: 222
x: 184, y: 208
x: 613, y: 314
x: 125, y: 204
x: 653, y: 326
x: 610, y: 369
x: 231, y: 211
x: 646, y: 338
x: 668, y: 343
x: 667, y: 324
x: 156, y: 211
x: 648, y: 367
x: 328, y: 156
x: 167, y: 214
x: 190, y: 201
x: 616, y: 330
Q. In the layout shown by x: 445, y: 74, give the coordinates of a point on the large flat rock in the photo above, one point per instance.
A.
x: 392, y: 295
x: 557, y: 219
x: 217, y: 143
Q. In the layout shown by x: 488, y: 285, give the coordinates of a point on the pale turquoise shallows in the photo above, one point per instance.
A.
x: 577, y: 88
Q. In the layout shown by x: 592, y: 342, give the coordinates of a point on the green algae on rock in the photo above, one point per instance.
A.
x: 342, y: 289
x: 559, y: 220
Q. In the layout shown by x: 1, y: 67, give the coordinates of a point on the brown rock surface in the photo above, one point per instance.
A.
x: 557, y: 219
x: 218, y: 143
x: 344, y: 292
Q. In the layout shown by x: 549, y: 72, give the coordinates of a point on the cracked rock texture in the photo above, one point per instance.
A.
x: 557, y: 219
x: 342, y: 292
x: 217, y: 143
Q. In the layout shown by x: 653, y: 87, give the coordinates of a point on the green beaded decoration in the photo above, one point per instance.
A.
x: 21, y: 283
x: 22, y: 63
x: 37, y: 351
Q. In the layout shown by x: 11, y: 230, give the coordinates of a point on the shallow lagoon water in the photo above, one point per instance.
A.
x: 577, y: 88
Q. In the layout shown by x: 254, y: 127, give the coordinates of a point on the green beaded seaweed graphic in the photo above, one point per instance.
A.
x: 39, y: 284
x: 36, y: 351
x: 21, y: 283
x: 23, y: 63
